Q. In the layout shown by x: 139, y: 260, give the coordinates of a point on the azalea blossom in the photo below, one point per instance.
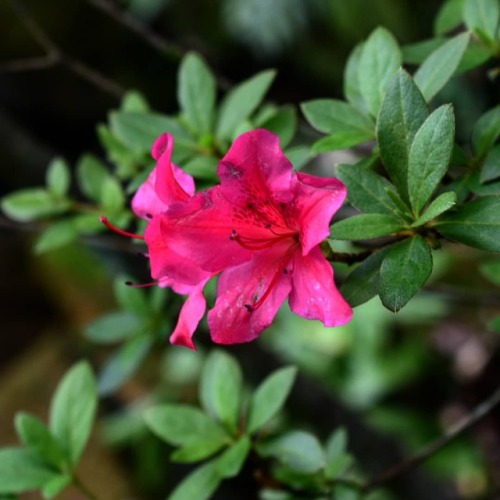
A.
x: 261, y: 229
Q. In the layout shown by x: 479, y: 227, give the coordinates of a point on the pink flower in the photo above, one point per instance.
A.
x: 261, y: 229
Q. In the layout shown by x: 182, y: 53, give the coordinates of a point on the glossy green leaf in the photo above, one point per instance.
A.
x: 124, y: 363
x: 58, y: 177
x: 403, y: 112
x: 36, y: 436
x: 440, y: 66
x: 21, y: 470
x: 241, y: 102
x: 269, y: 397
x: 418, y: 52
x: 367, y: 190
x: 197, y: 93
x: 202, y: 167
x: 491, y: 270
x: 91, y: 174
x: 365, y: 227
x: 220, y: 388
x: 448, y: 17
x: 363, y: 283
x: 72, y: 410
x: 441, y: 204
x: 200, y: 484
x: 430, y: 155
x: 352, y: 89
x: 58, y: 234
x: 404, y: 271
x: 483, y: 15
x: 297, y: 450
x: 337, y: 460
x: 112, y: 196
x: 476, y: 224
x: 56, y: 485
x: 378, y: 63
x: 229, y: 464
x: 282, y: 123
x: 341, y: 140
x: 113, y: 327
x: 134, y: 101
x: 181, y: 425
x: 31, y: 204
x: 491, y: 165
x: 332, y: 116
x: 486, y: 132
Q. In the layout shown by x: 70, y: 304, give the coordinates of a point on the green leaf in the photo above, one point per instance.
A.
x: 352, y: 89
x: 270, y: 397
x: 31, y: 204
x: 363, y: 283
x: 441, y: 204
x: 183, y: 425
x: 365, y: 227
x: 486, y: 132
x: 91, y: 174
x: 124, y: 363
x: 440, y: 66
x: 21, y: 470
x: 139, y: 130
x: 35, y: 435
x: 379, y: 61
x: 430, y: 155
x: 220, y: 388
x: 112, y: 196
x: 448, y: 17
x: 341, y: 140
x: 202, y: 167
x: 283, y: 123
x: 418, y: 52
x: 404, y: 271
x: 72, y: 410
x: 491, y: 271
x: 134, y: 101
x: 229, y: 464
x: 298, y: 450
x: 333, y: 116
x: 337, y: 460
x: 113, y: 327
x: 476, y: 224
x: 241, y: 102
x: 200, y: 484
x: 58, y: 178
x: 367, y: 190
x: 56, y: 485
x: 403, y: 112
x: 58, y: 234
x: 197, y: 93
x: 483, y: 15
x: 491, y: 165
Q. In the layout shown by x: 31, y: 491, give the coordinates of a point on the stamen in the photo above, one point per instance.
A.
x: 117, y: 230
x: 260, y: 243
x: 141, y: 285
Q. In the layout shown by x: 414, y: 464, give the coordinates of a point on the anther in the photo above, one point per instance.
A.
x: 248, y: 307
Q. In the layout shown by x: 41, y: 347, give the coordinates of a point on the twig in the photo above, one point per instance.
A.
x: 138, y: 27
x: 412, y: 462
x: 54, y: 55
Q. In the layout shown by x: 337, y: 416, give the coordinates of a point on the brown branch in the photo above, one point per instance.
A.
x: 54, y: 55
x: 422, y: 455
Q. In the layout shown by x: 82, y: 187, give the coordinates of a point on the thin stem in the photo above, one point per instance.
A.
x: 78, y: 483
x: 459, y: 428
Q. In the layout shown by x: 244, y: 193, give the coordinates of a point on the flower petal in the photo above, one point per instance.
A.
x: 314, y: 294
x: 230, y: 322
x: 172, y: 183
x: 255, y: 169
x: 166, y: 263
x: 190, y: 315
x: 316, y: 201
x: 146, y: 201
x: 200, y: 229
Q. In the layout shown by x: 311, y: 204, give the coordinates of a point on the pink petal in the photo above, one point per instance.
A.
x: 146, y: 202
x: 316, y: 201
x: 314, y: 295
x: 255, y: 168
x: 190, y: 315
x: 200, y: 229
x: 172, y: 183
x: 166, y: 264
x: 229, y: 321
